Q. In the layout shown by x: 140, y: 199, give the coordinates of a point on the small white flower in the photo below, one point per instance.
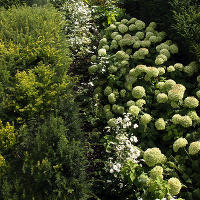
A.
x: 135, y: 126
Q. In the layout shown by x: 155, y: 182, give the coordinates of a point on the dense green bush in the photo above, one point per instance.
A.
x: 42, y: 152
x: 146, y: 101
x: 33, y: 61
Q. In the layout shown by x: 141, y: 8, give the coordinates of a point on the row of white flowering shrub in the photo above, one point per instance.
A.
x: 149, y: 105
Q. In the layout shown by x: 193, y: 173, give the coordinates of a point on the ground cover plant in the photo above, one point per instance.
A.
x: 149, y: 106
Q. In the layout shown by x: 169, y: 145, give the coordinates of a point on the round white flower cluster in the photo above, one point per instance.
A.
x: 174, y: 186
x: 156, y: 172
x: 179, y: 143
x: 184, y: 121
x: 176, y: 93
x: 145, y: 118
x: 191, y: 102
x: 194, y: 148
x: 153, y: 156
x: 138, y: 92
x: 160, y: 124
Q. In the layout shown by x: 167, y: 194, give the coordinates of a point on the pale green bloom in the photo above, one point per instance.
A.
x: 107, y: 91
x: 149, y: 34
x: 169, y: 84
x: 170, y: 68
x: 118, y: 37
x: 106, y: 108
x: 176, y: 93
x: 118, y: 109
x: 122, y: 28
x: 162, y: 98
x: 165, y: 52
x: 198, y: 94
x: 112, y: 27
x: 153, y: 39
x: 179, y: 143
x: 140, y: 103
x: 111, y: 98
x: 112, y: 69
x: 143, y: 179
x: 114, y: 34
x: 153, y: 156
x: 130, y: 103
x: 102, y: 52
x: 93, y: 58
x: 162, y: 46
x: 156, y: 172
x: 134, y: 110
x: 161, y: 70
x: 136, y: 44
x: 93, y: 69
x: 123, y: 93
x: 160, y: 124
x: 132, y: 27
x: 124, y: 21
x: 145, y: 43
x: 176, y: 119
x: 140, y: 35
x: 145, y: 118
x: 193, y: 115
x: 112, y: 122
x: 194, y: 148
x: 103, y: 42
x: 179, y: 66
x: 140, y: 24
x: 153, y: 25
x: 191, y: 102
x: 174, y: 186
x: 132, y: 20
x: 161, y: 85
x: 173, y: 48
x: 152, y: 72
x: 138, y: 92
x: 186, y: 121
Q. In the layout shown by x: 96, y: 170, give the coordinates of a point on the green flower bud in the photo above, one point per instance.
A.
x: 153, y: 156
x: 112, y: 122
x: 103, y: 42
x: 123, y: 93
x: 156, y: 172
x: 194, y: 148
x: 160, y: 124
x: 134, y: 110
x: 143, y: 180
x: 174, y: 186
x: 107, y: 91
x: 149, y: 29
x: 138, y: 92
x: 114, y: 34
x: 162, y: 46
x: 159, y: 61
x: 112, y: 27
x: 149, y: 34
x: 122, y: 28
x: 179, y: 143
x: 106, y: 108
x: 93, y: 69
x: 161, y: 85
x: 162, y: 98
x: 93, y: 58
x: 191, y: 102
x: 173, y: 48
x: 118, y: 109
x: 112, y: 69
x: 111, y: 98
x: 145, y: 118
x: 136, y: 44
x: 129, y: 51
x: 120, y: 55
x: 109, y: 115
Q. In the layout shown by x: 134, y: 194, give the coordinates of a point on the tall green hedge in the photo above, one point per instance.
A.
x: 43, y: 154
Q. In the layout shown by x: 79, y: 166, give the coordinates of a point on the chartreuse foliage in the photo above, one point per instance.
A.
x: 145, y: 94
x: 33, y: 61
x: 42, y: 156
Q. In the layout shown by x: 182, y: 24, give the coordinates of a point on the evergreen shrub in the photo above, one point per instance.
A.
x: 42, y: 153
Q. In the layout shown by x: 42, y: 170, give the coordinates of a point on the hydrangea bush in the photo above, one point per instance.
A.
x: 135, y: 75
